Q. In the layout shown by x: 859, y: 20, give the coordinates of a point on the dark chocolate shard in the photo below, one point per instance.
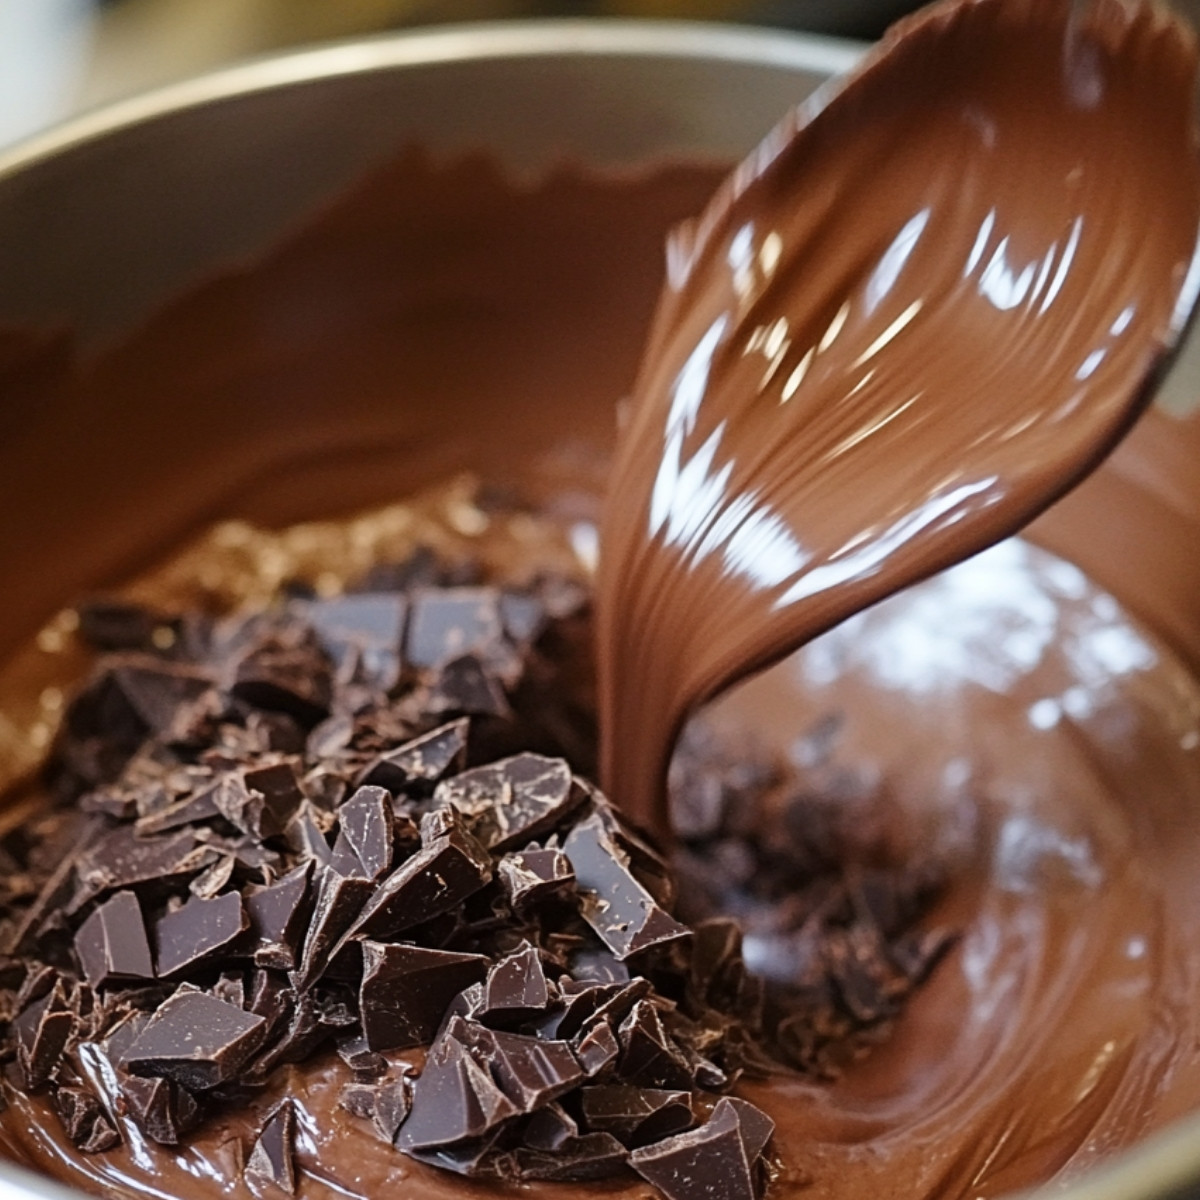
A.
x: 636, y: 1116
x: 407, y: 989
x: 112, y: 944
x: 595, y: 964
x: 464, y: 686
x: 365, y: 625
x: 358, y: 1099
x: 530, y: 1071
x: 623, y: 913
x: 278, y: 915
x: 598, y: 1050
x: 516, y: 989
x: 719, y: 1158
x: 450, y: 622
x: 416, y: 766
x: 272, y: 1159
x: 305, y: 835
x: 454, y: 1099
x: 84, y: 1120
x: 196, y: 1040
x: 649, y: 1056
x: 579, y: 1159
x: 119, y: 859
x: 531, y: 877
x: 198, y: 806
x: 163, y: 1110
x: 355, y: 1051
x: 197, y: 931
x: 364, y: 844
x: 393, y: 1103
x: 259, y: 802
x: 339, y: 902
x: 515, y: 800
x: 286, y: 672
x: 436, y: 879
x: 156, y: 690
x: 42, y: 1032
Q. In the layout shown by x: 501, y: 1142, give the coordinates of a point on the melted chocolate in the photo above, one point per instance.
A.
x: 906, y: 324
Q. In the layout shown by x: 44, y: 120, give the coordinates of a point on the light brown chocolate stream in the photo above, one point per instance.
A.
x: 915, y: 316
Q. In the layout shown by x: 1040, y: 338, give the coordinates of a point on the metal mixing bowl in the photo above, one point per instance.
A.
x: 104, y: 217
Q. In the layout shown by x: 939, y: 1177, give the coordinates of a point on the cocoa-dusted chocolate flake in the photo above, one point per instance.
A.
x: 407, y: 989
x: 417, y: 765
x: 364, y: 844
x: 197, y: 931
x: 112, y: 945
x: 272, y: 1158
x: 277, y: 914
x: 615, y: 904
x: 636, y: 1116
x: 196, y: 1040
x: 722, y: 1157
x: 514, y: 800
x: 436, y: 879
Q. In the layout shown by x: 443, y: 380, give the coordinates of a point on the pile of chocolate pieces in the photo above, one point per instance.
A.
x: 286, y: 832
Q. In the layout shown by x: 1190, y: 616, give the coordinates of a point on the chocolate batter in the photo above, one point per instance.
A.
x: 1059, y: 770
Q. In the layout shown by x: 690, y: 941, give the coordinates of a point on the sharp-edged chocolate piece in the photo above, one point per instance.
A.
x: 516, y: 988
x: 633, y: 1115
x: 454, y: 1099
x: 465, y: 686
x: 197, y: 931
x: 407, y: 989
x: 598, y: 1050
x: 305, y: 835
x: 339, y: 901
x: 162, y: 1109
x: 195, y: 1039
x: 622, y: 912
x: 578, y: 1159
x: 393, y: 1103
x: 530, y: 877
x: 514, y: 800
x: 112, y: 944
x: 200, y: 805
x: 649, y: 1056
x: 358, y: 1099
x: 277, y: 916
x: 364, y: 844
x: 530, y: 1071
x: 119, y: 859
x: 450, y: 622
x: 84, y: 1120
x: 419, y: 764
x: 719, y: 1158
x: 272, y: 1159
x: 355, y: 1051
x: 434, y: 880
x: 43, y: 1030
x: 259, y: 802
x: 369, y: 625
x: 287, y: 671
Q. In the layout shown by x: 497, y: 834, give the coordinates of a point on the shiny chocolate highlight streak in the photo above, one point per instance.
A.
x: 912, y: 319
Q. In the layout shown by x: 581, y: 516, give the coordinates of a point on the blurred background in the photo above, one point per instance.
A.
x: 61, y: 56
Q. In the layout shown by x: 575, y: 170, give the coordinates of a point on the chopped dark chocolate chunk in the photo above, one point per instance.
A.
x: 364, y: 844
x: 625, y: 915
x: 436, y: 879
x: 339, y: 901
x: 720, y: 1158
x: 530, y: 877
x: 448, y: 623
x: 43, y: 1030
x: 272, y: 1157
x: 259, y: 802
x: 578, y: 1159
x: 277, y: 914
x: 287, y: 671
x: 598, y: 1050
x: 197, y: 931
x: 196, y: 1040
x: 84, y: 1120
x: 305, y: 835
x: 393, y: 1103
x: 516, y: 989
x: 417, y: 765
x: 636, y: 1116
x: 358, y: 1099
x: 120, y: 859
x: 465, y: 686
x: 407, y: 989
x: 112, y: 944
x: 355, y: 1051
x: 366, y: 625
x: 531, y: 1071
x: 163, y: 1110
x: 649, y: 1055
x: 514, y: 800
